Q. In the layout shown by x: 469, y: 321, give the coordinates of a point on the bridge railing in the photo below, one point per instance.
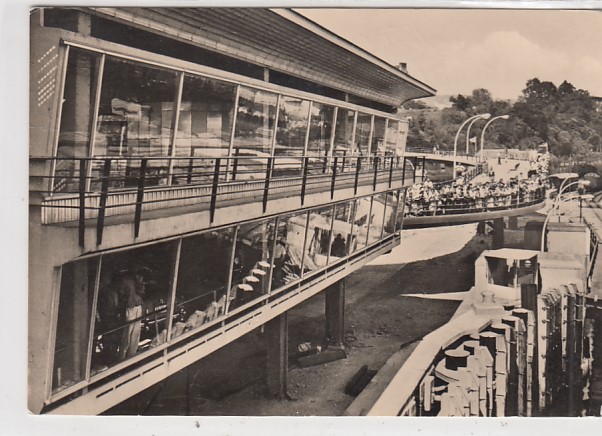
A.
x: 464, y: 206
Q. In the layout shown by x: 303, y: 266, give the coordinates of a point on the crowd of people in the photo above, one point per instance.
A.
x: 463, y: 195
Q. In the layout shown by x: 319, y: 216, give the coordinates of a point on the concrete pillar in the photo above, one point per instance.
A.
x: 335, y: 313
x: 498, y: 233
x: 277, y: 356
x: 513, y: 223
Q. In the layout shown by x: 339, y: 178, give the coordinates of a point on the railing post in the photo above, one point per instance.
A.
x: 104, y: 191
x: 334, y: 177
x: 403, y: 172
x: 391, y: 171
x: 190, y: 168
x: 358, y: 167
x: 304, y: 178
x: 414, y: 177
x: 140, y: 197
x: 423, y: 167
x: 214, y: 189
x: 376, y: 159
x: 83, y: 171
x: 266, y: 188
x: 235, y: 164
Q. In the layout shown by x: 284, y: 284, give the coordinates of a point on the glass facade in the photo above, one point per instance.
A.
x: 120, y: 305
x: 133, y: 303
x: 76, y: 117
x: 362, y: 134
x: 343, y: 136
x: 73, y: 328
x: 252, y: 262
x: 378, y: 136
x: 202, y: 281
x: 135, y: 119
x: 256, y: 115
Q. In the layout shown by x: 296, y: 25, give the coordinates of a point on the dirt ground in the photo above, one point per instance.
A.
x: 379, y: 319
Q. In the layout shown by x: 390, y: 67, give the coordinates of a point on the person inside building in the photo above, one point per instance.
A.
x: 280, y: 256
x: 131, y: 290
x: 338, y: 246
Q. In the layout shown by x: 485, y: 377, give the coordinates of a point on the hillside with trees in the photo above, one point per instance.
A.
x: 568, y: 119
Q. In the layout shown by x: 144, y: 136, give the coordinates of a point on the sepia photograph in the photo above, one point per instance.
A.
x: 314, y: 212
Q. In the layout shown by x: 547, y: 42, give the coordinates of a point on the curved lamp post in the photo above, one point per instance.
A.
x: 482, y: 117
x: 503, y: 117
x: 561, y: 190
x: 475, y: 117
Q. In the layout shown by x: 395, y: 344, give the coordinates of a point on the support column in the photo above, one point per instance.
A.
x: 335, y: 314
x: 277, y: 356
x: 498, y: 233
x: 513, y: 222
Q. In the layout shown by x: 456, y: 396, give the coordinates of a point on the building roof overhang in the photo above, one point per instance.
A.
x: 280, y: 40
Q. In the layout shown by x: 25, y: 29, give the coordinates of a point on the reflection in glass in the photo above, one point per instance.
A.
x: 344, y: 231
x: 320, y: 132
x: 378, y: 216
x: 76, y: 117
x: 204, y: 127
x: 250, y: 270
x: 256, y: 114
x: 288, y: 251
x: 202, y: 280
x: 362, y: 133
x: 343, y: 135
x: 390, y: 215
x: 73, y: 326
x: 135, y: 119
x: 132, y: 303
x: 292, y: 126
x: 378, y: 136
x: 319, y: 234
x: 363, y: 209
x: 392, y: 147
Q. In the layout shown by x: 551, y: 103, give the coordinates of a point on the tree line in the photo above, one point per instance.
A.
x: 567, y: 118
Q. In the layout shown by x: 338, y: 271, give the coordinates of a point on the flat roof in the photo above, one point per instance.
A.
x: 511, y: 253
x: 281, y: 40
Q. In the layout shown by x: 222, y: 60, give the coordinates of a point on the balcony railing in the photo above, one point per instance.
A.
x: 95, y: 188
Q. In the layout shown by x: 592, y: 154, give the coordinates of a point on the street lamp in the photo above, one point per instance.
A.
x: 483, y: 117
x: 557, y: 202
x: 475, y: 117
x: 504, y: 117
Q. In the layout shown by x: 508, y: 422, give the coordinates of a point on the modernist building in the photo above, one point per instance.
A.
x: 194, y: 174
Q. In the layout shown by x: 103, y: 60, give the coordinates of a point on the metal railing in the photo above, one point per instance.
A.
x: 95, y: 188
x: 465, y: 206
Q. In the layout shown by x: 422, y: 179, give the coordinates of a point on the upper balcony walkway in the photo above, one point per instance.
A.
x: 92, y: 194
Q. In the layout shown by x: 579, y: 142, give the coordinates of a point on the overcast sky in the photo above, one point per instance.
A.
x: 456, y: 51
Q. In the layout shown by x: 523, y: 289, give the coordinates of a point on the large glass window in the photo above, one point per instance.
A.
x: 135, y: 118
x: 73, y: 326
x: 320, y: 133
x: 255, y: 119
x: 343, y: 230
x: 392, y: 147
x: 378, y: 136
x: 363, y: 209
x: 250, y: 270
x: 292, y: 126
x: 362, y: 134
x: 319, y: 234
x: 289, y: 261
x: 390, y: 215
x: 76, y: 117
x: 204, y: 127
x: 343, y: 135
x: 202, y: 279
x: 135, y: 287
